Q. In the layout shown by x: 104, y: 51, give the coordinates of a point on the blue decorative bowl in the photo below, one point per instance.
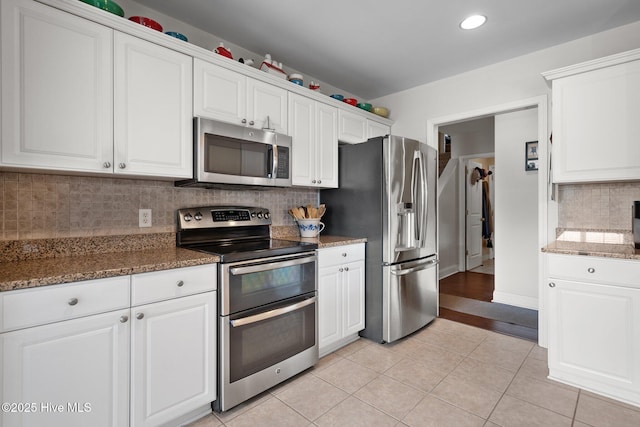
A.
x: 337, y: 96
x: 177, y: 35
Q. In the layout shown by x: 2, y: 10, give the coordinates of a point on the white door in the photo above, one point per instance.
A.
x: 153, y: 109
x: 173, y: 358
x: 474, y: 217
x: 57, y: 89
x: 353, y: 297
x: 76, y: 372
x: 266, y: 106
x: 327, y: 145
x: 302, y: 132
x: 329, y: 306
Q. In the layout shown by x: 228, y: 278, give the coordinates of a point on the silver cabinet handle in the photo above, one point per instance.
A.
x: 346, y: 269
x: 552, y: 285
x: 313, y: 181
x: 244, y: 120
x: 591, y: 270
x: 180, y: 283
x: 341, y: 269
x: 271, y: 313
x: 73, y: 301
x: 344, y: 254
x: 251, y: 123
x: 122, y: 165
x: 106, y: 165
x: 139, y: 316
x: 319, y: 181
x: 123, y: 319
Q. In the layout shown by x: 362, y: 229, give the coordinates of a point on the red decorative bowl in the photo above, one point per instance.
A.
x: 351, y: 101
x: 147, y: 22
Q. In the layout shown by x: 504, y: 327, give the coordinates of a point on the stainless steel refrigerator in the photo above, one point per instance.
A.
x: 387, y: 193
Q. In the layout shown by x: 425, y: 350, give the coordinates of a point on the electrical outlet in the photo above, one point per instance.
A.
x: 144, y: 217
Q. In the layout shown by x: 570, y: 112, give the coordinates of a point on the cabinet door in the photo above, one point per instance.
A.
x: 375, y: 129
x: 265, y: 101
x: 352, y: 127
x: 173, y: 358
x: 153, y: 122
x: 594, y: 337
x: 76, y: 372
x: 57, y: 85
x: 329, y: 306
x: 327, y: 145
x: 219, y: 94
x: 302, y: 132
x: 595, y: 127
x: 353, y: 298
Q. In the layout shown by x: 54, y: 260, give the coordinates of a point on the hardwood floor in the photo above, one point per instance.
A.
x: 479, y: 286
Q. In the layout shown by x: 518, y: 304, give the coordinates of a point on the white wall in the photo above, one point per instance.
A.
x: 448, y: 214
x: 470, y: 137
x: 516, y: 215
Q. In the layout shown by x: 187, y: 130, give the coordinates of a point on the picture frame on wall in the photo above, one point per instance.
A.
x: 531, y: 156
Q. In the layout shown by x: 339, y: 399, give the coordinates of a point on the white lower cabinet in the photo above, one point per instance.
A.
x: 172, y: 358
x: 67, y: 372
x: 594, y: 325
x: 341, y: 282
x: 133, y: 350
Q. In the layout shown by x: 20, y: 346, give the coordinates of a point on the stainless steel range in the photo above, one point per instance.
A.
x: 267, y: 323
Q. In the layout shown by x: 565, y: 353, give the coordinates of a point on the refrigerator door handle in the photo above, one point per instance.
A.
x: 406, y: 271
x: 419, y: 196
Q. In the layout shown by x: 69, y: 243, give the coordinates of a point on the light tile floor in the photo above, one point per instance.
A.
x: 448, y: 374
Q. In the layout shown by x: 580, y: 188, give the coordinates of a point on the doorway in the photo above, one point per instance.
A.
x: 539, y: 111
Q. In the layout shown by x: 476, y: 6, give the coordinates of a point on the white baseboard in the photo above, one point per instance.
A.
x: 447, y: 271
x: 516, y: 300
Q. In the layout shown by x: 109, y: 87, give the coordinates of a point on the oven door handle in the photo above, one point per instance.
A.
x: 272, y: 313
x: 270, y: 266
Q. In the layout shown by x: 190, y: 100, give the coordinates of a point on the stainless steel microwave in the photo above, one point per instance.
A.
x: 225, y: 153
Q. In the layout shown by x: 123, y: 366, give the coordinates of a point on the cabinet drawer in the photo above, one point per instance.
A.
x: 594, y: 269
x: 340, y: 254
x: 31, y: 307
x: 167, y: 284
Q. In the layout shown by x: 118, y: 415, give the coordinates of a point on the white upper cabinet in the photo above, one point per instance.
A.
x: 59, y: 94
x: 352, y: 127
x: 313, y: 129
x: 226, y: 95
x: 595, y: 113
x: 375, y: 129
x: 57, y: 89
x: 153, y: 109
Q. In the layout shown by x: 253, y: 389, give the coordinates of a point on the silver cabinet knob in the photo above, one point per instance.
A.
x: 73, y: 301
x: 251, y: 123
x: 552, y: 285
x: 106, y: 165
x: 139, y: 316
x: 319, y: 181
x: 346, y: 269
x: 341, y: 269
x: 244, y: 120
x: 313, y: 181
x: 180, y: 283
x: 124, y: 319
x: 122, y: 165
x: 591, y: 270
x: 344, y: 254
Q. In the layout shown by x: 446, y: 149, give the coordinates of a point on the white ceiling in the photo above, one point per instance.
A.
x: 376, y: 47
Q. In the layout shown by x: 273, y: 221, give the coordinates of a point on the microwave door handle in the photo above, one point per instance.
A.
x: 274, y: 163
x: 271, y: 313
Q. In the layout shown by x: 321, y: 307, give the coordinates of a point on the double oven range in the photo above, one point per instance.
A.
x: 267, y: 298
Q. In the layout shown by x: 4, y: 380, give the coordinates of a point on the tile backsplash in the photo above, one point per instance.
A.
x: 597, y: 206
x: 34, y: 206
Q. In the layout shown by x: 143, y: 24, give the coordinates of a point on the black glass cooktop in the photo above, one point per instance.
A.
x: 253, y: 249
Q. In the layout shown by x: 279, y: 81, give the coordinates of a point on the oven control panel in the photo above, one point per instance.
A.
x: 222, y: 216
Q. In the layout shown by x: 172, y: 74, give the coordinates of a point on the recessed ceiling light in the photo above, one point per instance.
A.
x: 472, y: 22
